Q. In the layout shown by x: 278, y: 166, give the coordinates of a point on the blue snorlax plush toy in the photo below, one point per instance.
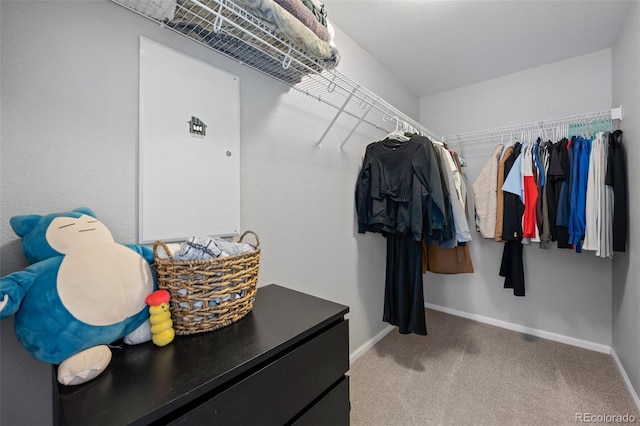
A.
x: 81, y: 292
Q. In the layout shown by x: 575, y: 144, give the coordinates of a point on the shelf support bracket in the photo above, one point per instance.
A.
x: 616, y: 113
x: 355, y: 127
x: 336, y: 117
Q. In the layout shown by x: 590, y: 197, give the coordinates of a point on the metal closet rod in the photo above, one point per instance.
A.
x: 318, y: 85
x: 356, y: 93
x: 613, y: 114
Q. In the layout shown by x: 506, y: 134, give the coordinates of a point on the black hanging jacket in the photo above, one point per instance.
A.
x: 617, y: 178
x: 385, y: 188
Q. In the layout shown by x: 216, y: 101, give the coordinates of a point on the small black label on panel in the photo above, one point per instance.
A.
x: 197, y: 127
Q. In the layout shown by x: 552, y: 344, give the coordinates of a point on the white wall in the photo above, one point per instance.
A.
x: 626, y: 268
x: 567, y: 294
x: 70, y: 138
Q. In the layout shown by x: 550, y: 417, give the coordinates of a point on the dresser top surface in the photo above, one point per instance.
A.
x: 144, y: 382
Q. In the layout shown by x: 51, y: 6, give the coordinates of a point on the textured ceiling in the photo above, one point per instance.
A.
x: 433, y: 46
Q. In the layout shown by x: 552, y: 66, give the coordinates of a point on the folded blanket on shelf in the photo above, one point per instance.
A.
x: 294, y: 30
x: 317, y: 9
x: 191, y: 17
x: 258, y: 33
x: 300, y: 9
x: 156, y: 9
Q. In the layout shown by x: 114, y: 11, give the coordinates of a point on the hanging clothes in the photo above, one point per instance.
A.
x: 595, y: 193
x: 453, y: 256
x: 573, y: 192
x: 456, y: 198
x: 564, y: 200
x: 384, y: 190
x: 392, y: 194
x: 404, y: 298
x: 544, y: 152
x: 448, y: 234
x: 605, y: 216
x: 405, y: 191
x: 435, y: 213
x: 617, y: 180
x: 577, y: 221
x: 555, y: 178
x: 530, y: 190
x: 512, y: 265
x: 485, y: 190
x: 459, y: 179
x: 499, y: 194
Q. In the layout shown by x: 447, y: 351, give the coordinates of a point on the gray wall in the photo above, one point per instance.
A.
x: 69, y: 137
x: 626, y: 267
x: 568, y: 294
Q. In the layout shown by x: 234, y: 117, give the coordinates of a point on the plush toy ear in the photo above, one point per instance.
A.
x: 85, y: 210
x: 23, y: 224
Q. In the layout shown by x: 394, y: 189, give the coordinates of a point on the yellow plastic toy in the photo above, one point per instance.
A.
x: 160, y: 318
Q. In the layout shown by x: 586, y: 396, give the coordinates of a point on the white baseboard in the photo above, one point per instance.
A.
x: 522, y: 329
x: 627, y: 383
x: 368, y: 344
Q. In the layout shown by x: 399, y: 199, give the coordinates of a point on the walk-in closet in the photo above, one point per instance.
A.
x: 443, y: 195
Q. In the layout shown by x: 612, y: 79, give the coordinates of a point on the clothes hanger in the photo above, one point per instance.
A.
x: 397, y: 134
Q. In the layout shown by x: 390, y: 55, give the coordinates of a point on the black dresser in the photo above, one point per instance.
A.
x: 284, y: 363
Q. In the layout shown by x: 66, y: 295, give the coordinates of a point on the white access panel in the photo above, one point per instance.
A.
x: 189, y: 184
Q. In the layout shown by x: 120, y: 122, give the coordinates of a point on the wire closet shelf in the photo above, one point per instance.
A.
x: 546, y: 128
x: 231, y: 30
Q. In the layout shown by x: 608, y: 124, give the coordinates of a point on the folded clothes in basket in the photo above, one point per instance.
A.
x: 202, y: 248
x: 233, y: 248
x: 199, y: 248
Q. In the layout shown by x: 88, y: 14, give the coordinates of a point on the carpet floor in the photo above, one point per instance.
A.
x: 470, y: 373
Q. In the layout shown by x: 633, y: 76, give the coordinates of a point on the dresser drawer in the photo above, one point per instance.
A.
x: 277, y: 392
x: 333, y: 409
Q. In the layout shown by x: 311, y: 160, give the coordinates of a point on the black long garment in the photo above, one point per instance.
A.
x: 388, y: 201
x: 555, y: 177
x: 512, y: 266
x: 403, y: 295
x: 513, y: 208
x: 617, y: 178
x: 564, y: 200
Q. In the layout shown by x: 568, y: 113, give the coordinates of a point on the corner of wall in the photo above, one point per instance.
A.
x: 626, y: 288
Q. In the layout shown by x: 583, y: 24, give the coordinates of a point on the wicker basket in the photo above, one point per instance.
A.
x: 208, y: 294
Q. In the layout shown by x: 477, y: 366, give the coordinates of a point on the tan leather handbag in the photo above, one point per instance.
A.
x: 441, y: 260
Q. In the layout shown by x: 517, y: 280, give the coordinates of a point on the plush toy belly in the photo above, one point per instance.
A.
x: 104, y: 285
x: 84, y: 299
